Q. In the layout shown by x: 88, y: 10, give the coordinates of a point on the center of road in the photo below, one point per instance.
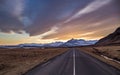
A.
x: 73, y: 62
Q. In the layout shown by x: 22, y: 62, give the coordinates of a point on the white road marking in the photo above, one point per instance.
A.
x: 73, y: 62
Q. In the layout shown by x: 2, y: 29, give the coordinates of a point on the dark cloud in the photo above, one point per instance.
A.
x: 8, y: 21
x: 36, y: 16
x: 39, y: 16
x: 46, y: 14
x: 104, y: 18
x: 117, y: 4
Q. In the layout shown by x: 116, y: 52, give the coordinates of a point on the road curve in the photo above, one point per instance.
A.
x: 74, y: 62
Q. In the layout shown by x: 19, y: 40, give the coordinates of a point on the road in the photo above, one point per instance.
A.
x: 74, y: 62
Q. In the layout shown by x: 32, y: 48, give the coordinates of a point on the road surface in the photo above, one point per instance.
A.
x: 74, y: 62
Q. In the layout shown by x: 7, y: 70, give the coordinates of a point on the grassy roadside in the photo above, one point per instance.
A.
x: 109, y: 51
x: 18, y: 61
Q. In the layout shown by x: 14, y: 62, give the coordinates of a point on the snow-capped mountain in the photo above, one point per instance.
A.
x: 55, y: 44
x: 31, y: 45
x: 80, y: 42
x: 69, y: 43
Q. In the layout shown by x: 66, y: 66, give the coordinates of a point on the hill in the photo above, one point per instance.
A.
x: 111, y: 39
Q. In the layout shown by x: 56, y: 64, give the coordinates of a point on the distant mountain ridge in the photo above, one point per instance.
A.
x: 111, y: 39
x: 69, y: 43
x: 79, y: 42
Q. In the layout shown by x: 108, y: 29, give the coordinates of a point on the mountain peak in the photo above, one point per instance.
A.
x: 72, y: 40
x: 117, y: 30
x: 70, y: 43
x: 78, y: 42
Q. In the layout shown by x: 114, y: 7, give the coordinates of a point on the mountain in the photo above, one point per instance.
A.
x: 111, y: 39
x: 22, y: 46
x: 69, y: 43
x: 80, y: 42
x: 55, y: 44
x: 31, y: 45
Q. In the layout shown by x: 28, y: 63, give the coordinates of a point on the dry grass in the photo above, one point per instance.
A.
x: 109, y: 51
x: 18, y: 61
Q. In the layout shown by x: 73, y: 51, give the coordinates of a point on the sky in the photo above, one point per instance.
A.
x: 44, y: 21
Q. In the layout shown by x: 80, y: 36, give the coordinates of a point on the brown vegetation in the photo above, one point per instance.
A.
x: 18, y: 61
x: 112, y: 52
x: 111, y: 39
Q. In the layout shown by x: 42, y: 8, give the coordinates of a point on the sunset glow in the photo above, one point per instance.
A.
x: 44, y: 21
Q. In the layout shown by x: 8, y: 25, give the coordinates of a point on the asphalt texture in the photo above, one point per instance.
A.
x: 74, y: 62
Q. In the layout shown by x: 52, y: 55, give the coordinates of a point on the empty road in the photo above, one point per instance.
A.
x: 74, y: 62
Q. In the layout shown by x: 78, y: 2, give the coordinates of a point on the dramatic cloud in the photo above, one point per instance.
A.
x: 105, y: 17
x: 10, y: 11
x: 59, y: 19
x: 46, y: 14
x: 89, y: 8
x: 36, y: 16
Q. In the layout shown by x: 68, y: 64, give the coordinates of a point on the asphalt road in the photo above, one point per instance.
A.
x: 74, y: 62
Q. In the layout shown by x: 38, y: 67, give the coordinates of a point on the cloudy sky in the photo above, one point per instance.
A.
x: 42, y: 21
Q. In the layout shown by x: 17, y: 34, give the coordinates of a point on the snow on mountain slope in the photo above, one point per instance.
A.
x: 80, y: 42
x: 55, y: 44
x: 69, y: 43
